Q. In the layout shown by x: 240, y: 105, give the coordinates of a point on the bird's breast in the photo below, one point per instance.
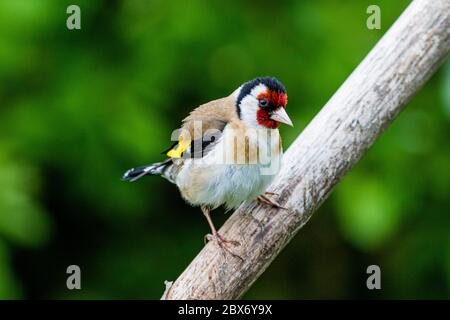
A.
x: 238, y: 168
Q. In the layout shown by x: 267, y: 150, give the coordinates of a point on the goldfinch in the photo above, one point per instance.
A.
x: 227, y: 150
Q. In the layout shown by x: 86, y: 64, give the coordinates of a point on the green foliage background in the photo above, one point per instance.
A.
x: 77, y: 108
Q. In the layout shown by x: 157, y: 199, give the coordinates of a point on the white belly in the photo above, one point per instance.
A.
x: 229, y: 185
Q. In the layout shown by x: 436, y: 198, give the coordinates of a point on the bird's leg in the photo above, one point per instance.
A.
x: 217, y: 237
x: 266, y: 200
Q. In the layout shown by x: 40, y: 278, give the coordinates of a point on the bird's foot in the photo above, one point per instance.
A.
x: 266, y: 200
x: 223, y: 244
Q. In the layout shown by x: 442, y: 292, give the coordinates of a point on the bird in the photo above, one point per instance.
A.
x: 227, y: 151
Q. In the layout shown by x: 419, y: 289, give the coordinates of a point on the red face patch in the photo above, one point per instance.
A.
x: 263, y: 118
x: 276, y: 100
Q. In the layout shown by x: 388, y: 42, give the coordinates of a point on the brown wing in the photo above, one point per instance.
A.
x: 212, y: 115
x: 208, y: 119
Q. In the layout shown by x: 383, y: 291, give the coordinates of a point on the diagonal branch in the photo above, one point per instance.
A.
x: 368, y: 101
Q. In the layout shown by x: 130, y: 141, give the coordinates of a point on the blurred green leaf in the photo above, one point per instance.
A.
x: 22, y: 221
x: 446, y: 89
x: 368, y: 211
x: 9, y: 288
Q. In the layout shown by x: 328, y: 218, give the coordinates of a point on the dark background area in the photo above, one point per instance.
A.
x: 78, y: 108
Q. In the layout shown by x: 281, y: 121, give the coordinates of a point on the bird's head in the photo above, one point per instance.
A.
x: 261, y: 102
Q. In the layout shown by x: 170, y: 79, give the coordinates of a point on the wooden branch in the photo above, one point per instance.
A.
x: 368, y: 101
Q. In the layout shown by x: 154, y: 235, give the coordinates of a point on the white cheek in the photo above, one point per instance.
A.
x: 249, y: 108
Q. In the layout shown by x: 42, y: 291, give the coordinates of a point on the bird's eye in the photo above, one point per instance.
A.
x: 263, y: 103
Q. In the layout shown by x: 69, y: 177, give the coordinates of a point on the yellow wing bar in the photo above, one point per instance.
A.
x: 177, y: 152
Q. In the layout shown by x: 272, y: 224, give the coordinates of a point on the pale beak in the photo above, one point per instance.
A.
x: 280, y: 115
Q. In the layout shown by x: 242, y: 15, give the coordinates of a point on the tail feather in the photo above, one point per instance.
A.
x: 154, y: 169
